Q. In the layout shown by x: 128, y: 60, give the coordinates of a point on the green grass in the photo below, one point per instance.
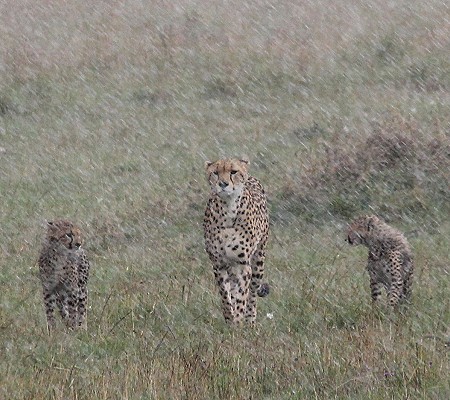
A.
x: 342, y: 110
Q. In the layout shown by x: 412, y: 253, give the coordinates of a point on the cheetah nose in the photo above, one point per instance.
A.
x: 223, y: 184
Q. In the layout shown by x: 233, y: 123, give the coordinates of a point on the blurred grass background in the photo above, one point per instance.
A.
x: 107, y: 113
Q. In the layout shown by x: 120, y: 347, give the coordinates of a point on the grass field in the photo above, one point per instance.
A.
x: 107, y: 113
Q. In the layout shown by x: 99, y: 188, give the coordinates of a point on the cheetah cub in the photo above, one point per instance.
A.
x: 390, y: 262
x: 236, y: 227
x: 64, y: 272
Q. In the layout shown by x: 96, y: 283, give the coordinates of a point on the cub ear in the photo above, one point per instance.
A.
x: 50, y: 223
x: 208, y: 164
x: 370, y: 224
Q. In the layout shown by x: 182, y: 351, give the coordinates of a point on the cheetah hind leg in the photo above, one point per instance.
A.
x: 395, y: 292
x: 82, y: 309
x: 406, y: 295
x: 407, y: 284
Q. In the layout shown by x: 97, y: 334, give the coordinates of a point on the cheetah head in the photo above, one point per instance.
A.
x: 361, y: 228
x: 64, y: 232
x: 227, y: 177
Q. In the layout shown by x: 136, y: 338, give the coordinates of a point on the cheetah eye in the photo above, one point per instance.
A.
x: 69, y: 235
x: 215, y: 173
x: 234, y: 172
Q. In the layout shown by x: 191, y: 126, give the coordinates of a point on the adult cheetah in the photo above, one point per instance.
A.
x: 64, y: 272
x: 236, y: 227
x: 390, y: 262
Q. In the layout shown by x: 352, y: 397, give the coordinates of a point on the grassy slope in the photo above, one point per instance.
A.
x: 109, y: 120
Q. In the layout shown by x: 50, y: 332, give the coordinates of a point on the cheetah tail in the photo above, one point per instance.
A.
x: 263, y: 290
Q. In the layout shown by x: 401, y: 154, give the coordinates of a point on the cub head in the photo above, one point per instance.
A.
x: 362, y: 227
x: 64, y: 232
x: 227, y: 177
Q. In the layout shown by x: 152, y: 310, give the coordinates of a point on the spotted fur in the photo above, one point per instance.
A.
x: 236, y: 227
x: 390, y: 262
x: 64, y: 272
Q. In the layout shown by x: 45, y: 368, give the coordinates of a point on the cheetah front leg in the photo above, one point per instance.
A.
x: 224, y: 283
x: 233, y: 285
x: 72, y: 305
x: 375, y: 285
x: 49, y: 303
x: 62, y: 303
x: 255, y: 284
x: 375, y: 289
x: 240, y: 283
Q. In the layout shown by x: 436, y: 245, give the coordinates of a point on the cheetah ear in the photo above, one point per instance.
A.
x: 245, y: 159
x: 50, y: 223
x: 208, y: 164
